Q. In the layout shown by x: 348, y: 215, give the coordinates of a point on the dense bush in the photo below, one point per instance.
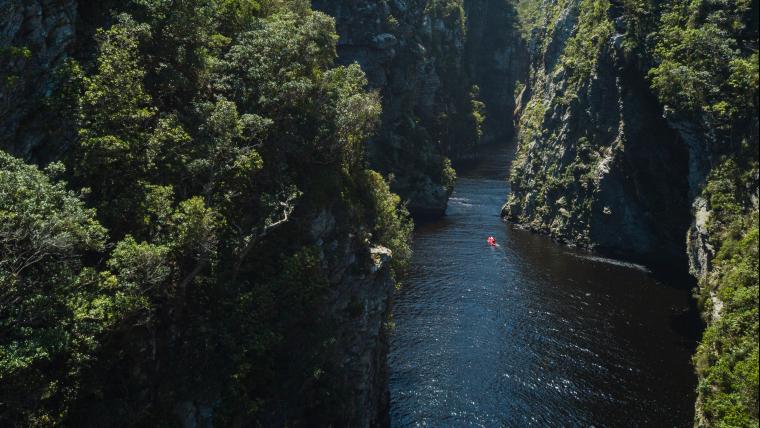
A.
x: 707, y: 68
x: 210, y: 133
x: 727, y: 358
x: 707, y: 60
x: 52, y: 306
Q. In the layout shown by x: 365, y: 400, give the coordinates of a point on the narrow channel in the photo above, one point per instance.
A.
x: 532, y: 333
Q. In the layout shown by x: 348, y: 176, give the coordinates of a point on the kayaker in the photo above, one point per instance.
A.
x: 491, y: 241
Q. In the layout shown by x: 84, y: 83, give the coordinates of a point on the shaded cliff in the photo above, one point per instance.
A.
x: 594, y: 148
x: 445, y: 71
x: 36, y: 36
x: 639, y: 140
x: 497, y: 61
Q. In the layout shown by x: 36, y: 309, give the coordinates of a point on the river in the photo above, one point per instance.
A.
x: 532, y: 333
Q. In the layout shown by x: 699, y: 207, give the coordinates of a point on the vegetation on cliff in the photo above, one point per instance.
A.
x: 700, y: 60
x: 444, y: 70
x: 553, y: 190
x: 727, y: 358
x: 707, y: 66
x: 189, y: 273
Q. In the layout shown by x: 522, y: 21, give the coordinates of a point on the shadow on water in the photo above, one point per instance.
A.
x: 533, y: 333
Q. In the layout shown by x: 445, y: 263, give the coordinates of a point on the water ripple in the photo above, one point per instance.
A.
x: 531, y: 334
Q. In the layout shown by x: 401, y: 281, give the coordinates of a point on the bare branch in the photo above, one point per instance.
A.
x: 252, y: 239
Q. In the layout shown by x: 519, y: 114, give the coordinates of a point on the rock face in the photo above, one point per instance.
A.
x: 392, y: 42
x: 602, y: 164
x: 35, y: 37
x: 439, y: 67
x: 496, y: 57
x: 362, y: 304
x: 357, y: 308
x: 352, y: 320
x: 593, y: 153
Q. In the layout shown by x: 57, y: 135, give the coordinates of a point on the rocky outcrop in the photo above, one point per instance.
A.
x: 350, y: 387
x: 354, y: 351
x: 36, y: 36
x: 601, y: 163
x: 392, y: 43
x: 362, y: 305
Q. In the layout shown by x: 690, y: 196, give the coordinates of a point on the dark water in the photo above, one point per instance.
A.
x: 532, y: 333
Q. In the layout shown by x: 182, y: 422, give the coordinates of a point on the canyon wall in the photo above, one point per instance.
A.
x: 637, y: 141
x: 594, y: 149
x: 497, y: 60
x: 445, y: 70
x: 36, y: 36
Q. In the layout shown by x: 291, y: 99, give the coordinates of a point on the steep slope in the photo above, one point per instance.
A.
x: 442, y: 68
x: 594, y: 147
x: 639, y: 137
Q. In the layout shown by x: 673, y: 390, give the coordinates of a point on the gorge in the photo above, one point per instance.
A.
x: 206, y: 212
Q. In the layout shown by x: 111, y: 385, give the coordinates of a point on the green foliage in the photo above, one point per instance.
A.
x: 115, y: 120
x: 392, y: 226
x: 141, y: 267
x: 450, y: 11
x: 280, y: 70
x: 304, y: 47
x: 705, y: 62
x: 727, y: 357
x: 210, y: 134
x: 531, y: 129
x: 157, y: 208
x: 449, y: 175
x: 115, y: 100
x: 641, y: 19
x: 531, y: 15
x: 235, y: 15
x: 582, y: 50
x: 357, y: 113
x: 12, y: 59
x: 11, y: 52
x: 46, y: 336
x: 553, y: 12
x: 195, y: 229
x: 478, y: 111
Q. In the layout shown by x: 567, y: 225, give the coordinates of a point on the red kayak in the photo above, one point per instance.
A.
x: 491, y: 241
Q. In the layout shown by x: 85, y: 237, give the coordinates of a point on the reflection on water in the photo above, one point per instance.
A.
x: 531, y: 333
